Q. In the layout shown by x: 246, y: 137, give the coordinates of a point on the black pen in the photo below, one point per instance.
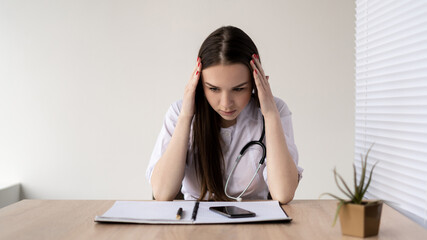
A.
x: 179, y: 213
x: 194, y: 215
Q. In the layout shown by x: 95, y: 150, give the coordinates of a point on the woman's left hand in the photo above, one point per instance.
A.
x: 266, y: 99
x: 281, y: 169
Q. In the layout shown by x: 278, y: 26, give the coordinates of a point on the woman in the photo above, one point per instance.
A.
x: 225, y: 105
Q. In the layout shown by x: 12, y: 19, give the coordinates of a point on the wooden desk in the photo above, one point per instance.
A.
x: 73, y: 219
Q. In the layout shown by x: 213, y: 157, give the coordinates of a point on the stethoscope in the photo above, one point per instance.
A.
x: 242, y: 152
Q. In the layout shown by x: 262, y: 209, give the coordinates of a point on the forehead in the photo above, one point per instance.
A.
x: 226, y: 74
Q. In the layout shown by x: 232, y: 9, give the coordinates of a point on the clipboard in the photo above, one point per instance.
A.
x: 164, y: 212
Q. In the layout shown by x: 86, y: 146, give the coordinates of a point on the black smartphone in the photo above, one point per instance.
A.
x: 232, y: 211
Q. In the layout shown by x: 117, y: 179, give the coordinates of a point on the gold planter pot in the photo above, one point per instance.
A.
x: 360, y: 220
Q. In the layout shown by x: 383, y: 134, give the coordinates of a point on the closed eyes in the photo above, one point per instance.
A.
x: 215, y: 89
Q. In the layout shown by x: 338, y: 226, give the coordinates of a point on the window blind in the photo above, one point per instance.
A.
x: 391, y: 101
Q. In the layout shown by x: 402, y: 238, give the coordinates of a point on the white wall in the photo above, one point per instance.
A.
x: 84, y: 86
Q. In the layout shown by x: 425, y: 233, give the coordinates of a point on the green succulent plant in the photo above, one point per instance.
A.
x: 355, y: 196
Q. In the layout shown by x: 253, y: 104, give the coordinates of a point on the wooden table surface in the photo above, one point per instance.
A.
x: 74, y: 219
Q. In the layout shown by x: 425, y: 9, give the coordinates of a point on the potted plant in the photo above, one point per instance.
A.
x: 358, y: 217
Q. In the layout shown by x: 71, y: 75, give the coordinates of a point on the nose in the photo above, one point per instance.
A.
x: 227, y: 100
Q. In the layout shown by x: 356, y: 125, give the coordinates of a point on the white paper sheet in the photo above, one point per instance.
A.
x: 159, y: 212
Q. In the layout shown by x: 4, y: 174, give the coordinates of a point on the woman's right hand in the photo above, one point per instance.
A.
x: 169, y: 170
x: 188, y: 103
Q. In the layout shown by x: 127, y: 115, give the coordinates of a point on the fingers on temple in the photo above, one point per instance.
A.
x: 257, y: 74
x: 257, y: 63
x: 255, y: 69
x: 196, y: 72
x: 258, y: 82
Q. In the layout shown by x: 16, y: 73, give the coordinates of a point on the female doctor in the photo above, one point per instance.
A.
x: 227, y: 103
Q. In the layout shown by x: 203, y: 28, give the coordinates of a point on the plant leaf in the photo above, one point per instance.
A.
x: 369, y: 180
x: 337, y: 212
x: 354, y: 179
x: 363, y: 174
x: 332, y: 195
x: 342, y: 202
x: 348, y: 193
x: 356, y: 189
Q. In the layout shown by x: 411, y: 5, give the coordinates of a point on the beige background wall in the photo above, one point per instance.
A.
x: 84, y: 86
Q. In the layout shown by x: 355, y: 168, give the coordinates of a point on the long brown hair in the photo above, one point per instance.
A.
x: 225, y: 46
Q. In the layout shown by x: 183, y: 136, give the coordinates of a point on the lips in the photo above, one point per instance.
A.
x: 227, y: 113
